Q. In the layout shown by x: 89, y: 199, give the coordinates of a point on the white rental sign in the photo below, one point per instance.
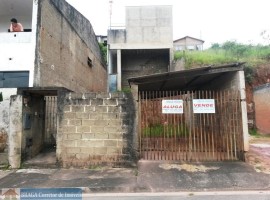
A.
x: 204, y: 106
x: 172, y: 106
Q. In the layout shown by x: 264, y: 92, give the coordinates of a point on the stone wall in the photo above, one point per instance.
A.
x: 96, y: 129
x: 67, y: 52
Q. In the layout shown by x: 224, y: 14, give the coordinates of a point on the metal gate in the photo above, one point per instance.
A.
x: 190, y: 136
x: 50, y: 120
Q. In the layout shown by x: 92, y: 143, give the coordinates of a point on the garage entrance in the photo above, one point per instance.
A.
x: 190, y: 125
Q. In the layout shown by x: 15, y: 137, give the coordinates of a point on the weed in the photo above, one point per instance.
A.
x: 94, y: 167
x: 136, y: 172
x: 253, y: 132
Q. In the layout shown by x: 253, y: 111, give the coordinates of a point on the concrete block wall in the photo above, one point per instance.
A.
x: 95, y: 129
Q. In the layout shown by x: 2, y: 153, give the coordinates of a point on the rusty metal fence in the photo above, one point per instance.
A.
x: 50, y: 120
x: 190, y: 136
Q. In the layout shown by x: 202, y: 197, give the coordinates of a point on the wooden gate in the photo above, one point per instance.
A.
x: 190, y: 136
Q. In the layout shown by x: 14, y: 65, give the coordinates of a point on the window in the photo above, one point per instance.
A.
x: 89, y: 62
x: 14, y: 79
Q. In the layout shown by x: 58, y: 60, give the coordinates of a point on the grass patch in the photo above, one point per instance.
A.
x: 253, y: 132
x: 95, y: 167
x: 168, y: 130
x: 126, y: 90
x: 228, y: 52
x: 4, y: 167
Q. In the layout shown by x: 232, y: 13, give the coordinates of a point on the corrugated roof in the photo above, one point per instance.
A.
x: 184, y: 80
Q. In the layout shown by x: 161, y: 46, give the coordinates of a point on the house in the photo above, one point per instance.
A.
x: 143, y: 47
x: 58, y: 51
x: 192, y: 115
x: 189, y: 115
x: 188, y: 43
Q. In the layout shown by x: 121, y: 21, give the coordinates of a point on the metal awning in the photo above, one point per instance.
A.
x: 192, y: 79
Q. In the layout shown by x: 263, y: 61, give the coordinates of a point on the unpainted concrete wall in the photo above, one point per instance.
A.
x: 146, y: 27
x: 261, y: 96
x: 145, y: 63
x: 229, y: 81
x: 65, y: 42
x: 95, y: 129
x: 15, y: 131
x: 149, y: 24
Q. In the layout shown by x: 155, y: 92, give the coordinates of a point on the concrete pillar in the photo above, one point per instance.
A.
x: 15, y: 131
x: 119, y: 70
x: 109, y: 61
x: 137, y: 125
x: 109, y: 67
x: 171, y: 67
x: 242, y: 89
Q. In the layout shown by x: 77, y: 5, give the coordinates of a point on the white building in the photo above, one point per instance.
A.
x: 17, y: 49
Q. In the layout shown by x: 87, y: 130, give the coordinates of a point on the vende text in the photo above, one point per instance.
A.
x: 205, y: 105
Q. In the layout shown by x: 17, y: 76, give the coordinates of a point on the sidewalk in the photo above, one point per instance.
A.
x: 149, y: 177
x: 259, y: 154
x: 155, y: 176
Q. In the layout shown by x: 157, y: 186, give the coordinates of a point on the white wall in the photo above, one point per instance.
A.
x: 17, y: 50
x: 19, y: 9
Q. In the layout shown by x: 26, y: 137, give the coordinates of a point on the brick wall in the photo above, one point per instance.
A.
x: 65, y: 42
x: 96, y: 129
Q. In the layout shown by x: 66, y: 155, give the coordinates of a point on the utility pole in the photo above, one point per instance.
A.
x: 111, y: 2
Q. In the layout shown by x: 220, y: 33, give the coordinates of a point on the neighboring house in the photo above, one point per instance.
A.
x: 143, y: 47
x: 59, y: 51
x: 261, y: 95
x: 188, y: 43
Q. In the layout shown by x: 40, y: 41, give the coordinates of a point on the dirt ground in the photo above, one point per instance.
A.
x: 259, y: 153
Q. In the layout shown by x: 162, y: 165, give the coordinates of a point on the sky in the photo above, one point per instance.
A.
x: 214, y: 21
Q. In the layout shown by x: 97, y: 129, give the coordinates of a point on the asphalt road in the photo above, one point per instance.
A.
x: 229, y: 195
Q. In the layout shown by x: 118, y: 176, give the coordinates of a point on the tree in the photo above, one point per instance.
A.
x: 103, y: 49
x: 266, y: 36
x: 215, y: 47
